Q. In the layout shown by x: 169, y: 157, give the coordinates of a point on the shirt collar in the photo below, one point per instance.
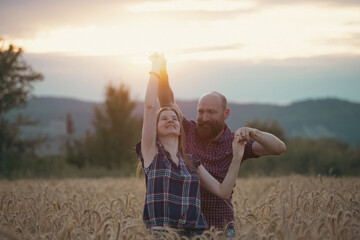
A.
x: 167, y: 156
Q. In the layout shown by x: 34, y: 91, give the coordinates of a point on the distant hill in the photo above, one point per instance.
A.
x: 331, y: 118
x: 51, y: 115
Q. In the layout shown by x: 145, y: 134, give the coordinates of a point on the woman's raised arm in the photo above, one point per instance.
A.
x: 224, y: 189
x: 148, y: 139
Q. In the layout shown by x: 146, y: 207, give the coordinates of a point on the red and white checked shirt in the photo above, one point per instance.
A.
x: 216, y: 157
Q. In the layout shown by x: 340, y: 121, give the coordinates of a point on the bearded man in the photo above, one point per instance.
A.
x: 209, y: 139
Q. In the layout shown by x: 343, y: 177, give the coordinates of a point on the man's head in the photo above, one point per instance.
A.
x: 212, y: 111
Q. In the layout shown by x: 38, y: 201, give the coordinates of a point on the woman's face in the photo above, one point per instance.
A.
x: 168, y: 124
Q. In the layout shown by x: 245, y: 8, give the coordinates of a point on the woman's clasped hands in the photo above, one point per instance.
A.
x: 157, y: 61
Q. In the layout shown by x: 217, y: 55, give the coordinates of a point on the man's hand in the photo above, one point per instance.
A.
x: 246, y: 133
x: 265, y: 143
x: 163, y: 72
x: 165, y: 93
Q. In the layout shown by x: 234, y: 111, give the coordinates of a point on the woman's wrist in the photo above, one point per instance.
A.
x: 155, y: 74
x: 155, y: 70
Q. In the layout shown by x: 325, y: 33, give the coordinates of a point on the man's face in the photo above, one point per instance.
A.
x: 210, y: 117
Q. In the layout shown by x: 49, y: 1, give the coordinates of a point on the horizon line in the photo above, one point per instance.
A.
x: 238, y: 102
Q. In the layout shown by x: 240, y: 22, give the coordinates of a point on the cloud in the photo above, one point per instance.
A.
x: 207, y: 16
x: 350, y: 42
x: 340, y: 3
x: 265, y: 29
x: 207, y: 49
x: 191, y: 5
x: 23, y: 18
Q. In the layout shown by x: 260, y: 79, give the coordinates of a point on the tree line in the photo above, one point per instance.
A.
x: 110, y: 147
x: 306, y: 156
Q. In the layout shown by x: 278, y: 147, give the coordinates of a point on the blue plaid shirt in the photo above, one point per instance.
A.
x: 172, y: 192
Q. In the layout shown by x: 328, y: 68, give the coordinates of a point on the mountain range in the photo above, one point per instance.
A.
x: 330, y: 118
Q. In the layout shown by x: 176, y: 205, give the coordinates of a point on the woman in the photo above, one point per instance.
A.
x: 173, y: 178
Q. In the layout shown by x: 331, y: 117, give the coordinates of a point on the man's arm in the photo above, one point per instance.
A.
x: 264, y: 143
x: 165, y: 93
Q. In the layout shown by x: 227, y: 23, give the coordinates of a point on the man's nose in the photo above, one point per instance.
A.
x: 205, y: 117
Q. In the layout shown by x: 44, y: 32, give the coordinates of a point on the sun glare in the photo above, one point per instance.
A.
x: 276, y: 32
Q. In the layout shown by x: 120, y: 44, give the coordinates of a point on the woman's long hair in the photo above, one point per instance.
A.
x: 182, y: 137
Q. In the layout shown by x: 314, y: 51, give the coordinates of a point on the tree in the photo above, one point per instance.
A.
x: 270, y: 126
x: 116, y: 132
x: 16, y: 78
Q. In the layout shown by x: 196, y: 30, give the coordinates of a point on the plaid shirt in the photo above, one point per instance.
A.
x: 172, y: 192
x: 216, y: 157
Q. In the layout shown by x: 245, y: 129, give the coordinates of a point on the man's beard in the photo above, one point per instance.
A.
x: 208, y: 130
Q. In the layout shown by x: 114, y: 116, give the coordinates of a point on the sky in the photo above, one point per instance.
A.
x: 262, y: 51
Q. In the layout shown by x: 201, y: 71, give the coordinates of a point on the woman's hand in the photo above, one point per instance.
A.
x: 247, y: 133
x: 238, y: 146
x: 157, y: 62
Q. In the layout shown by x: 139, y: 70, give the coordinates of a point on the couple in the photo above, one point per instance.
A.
x: 178, y: 156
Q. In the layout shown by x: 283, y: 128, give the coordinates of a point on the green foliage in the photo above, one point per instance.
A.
x: 116, y: 132
x: 308, y: 156
x: 304, y: 156
x: 16, y: 78
x: 270, y: 126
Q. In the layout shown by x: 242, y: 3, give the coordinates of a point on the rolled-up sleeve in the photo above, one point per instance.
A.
x: 248, y: 152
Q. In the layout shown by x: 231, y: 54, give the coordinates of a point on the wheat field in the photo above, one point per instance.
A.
x: 294, y: 207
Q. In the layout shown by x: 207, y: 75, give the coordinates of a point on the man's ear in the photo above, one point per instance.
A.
x: 226, y: 113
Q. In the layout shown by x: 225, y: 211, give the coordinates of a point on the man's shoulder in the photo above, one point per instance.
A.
x: 188, y: 120
x: 189, y: 123
x: 228, y: 134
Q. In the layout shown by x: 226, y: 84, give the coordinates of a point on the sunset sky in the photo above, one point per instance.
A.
x: 267, y: 51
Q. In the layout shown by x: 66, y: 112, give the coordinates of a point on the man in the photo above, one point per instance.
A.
x: 210, y: 140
